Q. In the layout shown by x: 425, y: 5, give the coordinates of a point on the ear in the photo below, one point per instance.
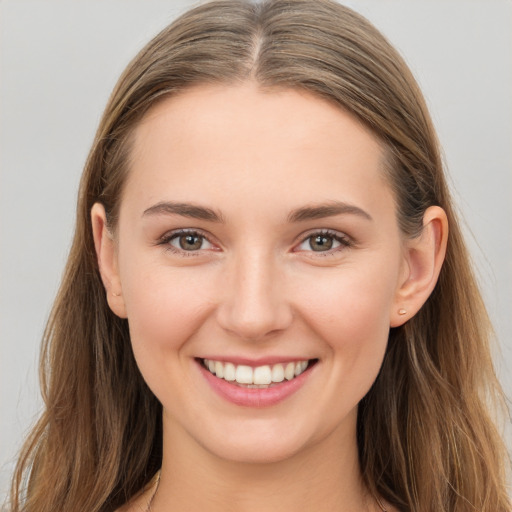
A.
x: 424, y: 256
x: 106, y: 253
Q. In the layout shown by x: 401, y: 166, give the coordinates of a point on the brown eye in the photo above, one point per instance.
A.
x: 324, y: 242
x: 189, y: 242
x: 321, y: 242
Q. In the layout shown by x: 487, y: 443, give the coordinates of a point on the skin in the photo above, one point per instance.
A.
x: 256, y: 288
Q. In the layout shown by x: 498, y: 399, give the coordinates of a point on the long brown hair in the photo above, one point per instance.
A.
x: 425, y: 435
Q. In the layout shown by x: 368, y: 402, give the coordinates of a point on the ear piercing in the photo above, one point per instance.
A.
x: 402, y: 311
x: 116, y: 294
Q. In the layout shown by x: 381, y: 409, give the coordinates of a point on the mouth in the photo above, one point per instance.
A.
x: 259, y: 386
x: 257, y: 377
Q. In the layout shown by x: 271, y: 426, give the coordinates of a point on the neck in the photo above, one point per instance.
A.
x: 325, y: 475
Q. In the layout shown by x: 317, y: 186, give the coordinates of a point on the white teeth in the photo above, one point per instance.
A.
x: 244, y: 374
x: 289, y: 371
x: 229, y: 372
x: 262, y: 375
x: 258, y: 377
x: 300, y: 367
x: 219, y: 369
x: 277, y: 373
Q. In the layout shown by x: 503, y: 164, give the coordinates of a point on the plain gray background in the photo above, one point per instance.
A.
x: 59, y: 61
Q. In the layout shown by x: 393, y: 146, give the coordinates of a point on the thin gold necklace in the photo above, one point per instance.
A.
x: 153, y: 495
x: 382, y: 507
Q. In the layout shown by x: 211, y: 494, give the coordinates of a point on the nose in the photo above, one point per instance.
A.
x: 255, y: 304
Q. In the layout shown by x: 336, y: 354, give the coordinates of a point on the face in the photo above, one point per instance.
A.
x: 257, y: 237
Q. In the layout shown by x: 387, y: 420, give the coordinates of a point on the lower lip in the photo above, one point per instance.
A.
x: 254, y: 397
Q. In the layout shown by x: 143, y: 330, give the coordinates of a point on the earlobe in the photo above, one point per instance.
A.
x: 105, y: 247
x: 423, y: 261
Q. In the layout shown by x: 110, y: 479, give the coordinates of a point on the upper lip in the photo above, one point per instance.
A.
x: 254, y: 362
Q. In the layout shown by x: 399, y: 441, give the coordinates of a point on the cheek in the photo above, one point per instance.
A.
x: 165, y: 307
x: 351, y: 301
x: 354, y: 326
x: 349, y: 311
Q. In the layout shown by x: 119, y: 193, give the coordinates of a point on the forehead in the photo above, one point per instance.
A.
x: 282, y: 144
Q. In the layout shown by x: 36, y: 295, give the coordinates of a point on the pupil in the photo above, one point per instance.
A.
x: 190, y: 242
x: 321, y: 243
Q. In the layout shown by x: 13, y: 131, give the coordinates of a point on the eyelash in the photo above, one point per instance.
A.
x: 342, y: 239
x: 169, y: 237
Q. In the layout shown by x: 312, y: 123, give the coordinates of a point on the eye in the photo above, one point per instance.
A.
x: 186, y: 241
x: 324, y: 241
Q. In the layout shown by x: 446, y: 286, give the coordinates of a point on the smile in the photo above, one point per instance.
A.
x: 256, y: 386
x: 259, y: 377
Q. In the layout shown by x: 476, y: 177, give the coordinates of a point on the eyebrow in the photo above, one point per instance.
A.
x: 185, y: 210
x: 327, y: 210
x: 320, y: 211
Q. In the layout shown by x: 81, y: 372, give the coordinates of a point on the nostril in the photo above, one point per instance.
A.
x: 252, y: 321
x: 254, y: 304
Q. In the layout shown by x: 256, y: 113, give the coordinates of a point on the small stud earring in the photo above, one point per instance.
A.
x: 116, y: 294
x: 402, y: 311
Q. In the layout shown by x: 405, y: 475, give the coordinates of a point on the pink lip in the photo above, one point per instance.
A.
x: 254, y: 397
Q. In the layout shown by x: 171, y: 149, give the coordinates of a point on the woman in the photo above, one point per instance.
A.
x: 268, y: 303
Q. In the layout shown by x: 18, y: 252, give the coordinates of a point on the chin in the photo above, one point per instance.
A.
x: 256, y: 452
x: 258, y: 442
